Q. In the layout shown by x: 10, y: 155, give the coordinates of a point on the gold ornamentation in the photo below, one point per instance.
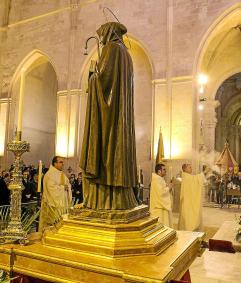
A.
x: 109, y: 216
x: 115, y: 234
x: 64, y: 265
x: 15, y: 231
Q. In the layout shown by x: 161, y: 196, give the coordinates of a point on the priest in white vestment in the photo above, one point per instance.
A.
x: 190, y: 217
x: 160, y: 196
x: 57, y: 195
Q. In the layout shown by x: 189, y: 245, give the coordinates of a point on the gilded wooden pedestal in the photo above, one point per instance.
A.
x: 64, y: 265
x: 120, y: 233
x: 81, y: 250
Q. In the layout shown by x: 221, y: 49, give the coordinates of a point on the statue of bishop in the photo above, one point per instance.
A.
x: 108, y: 157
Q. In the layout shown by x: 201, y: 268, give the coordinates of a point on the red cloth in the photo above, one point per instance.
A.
x: 26, y: 279
x: 178, y: 281
x: 186, y: 278
x: 221, y: 246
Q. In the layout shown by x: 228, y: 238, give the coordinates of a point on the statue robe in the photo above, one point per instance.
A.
x: 190, y: 217
x: 160, y: 200
x: 108, y: 157
x: 55, y: 200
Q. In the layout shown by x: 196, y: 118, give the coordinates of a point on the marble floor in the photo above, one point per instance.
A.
x: 213, y: 218
x: 216, y: 267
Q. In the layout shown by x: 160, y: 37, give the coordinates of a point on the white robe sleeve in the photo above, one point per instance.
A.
x: 160, y: 194
x: 54, y: 194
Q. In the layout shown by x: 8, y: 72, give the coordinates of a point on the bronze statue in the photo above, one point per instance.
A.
x: 108, y: 157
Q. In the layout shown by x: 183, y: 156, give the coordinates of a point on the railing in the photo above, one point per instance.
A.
x: 29, y: 218
x: 30, y: 215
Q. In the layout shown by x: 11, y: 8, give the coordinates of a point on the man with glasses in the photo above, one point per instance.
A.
x: 160, y: 196
x: 57, y: 195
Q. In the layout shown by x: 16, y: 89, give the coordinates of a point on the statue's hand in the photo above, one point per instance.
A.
x: 93, y: 66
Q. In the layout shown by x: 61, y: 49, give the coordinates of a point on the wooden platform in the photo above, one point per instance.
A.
x: 62, y: 265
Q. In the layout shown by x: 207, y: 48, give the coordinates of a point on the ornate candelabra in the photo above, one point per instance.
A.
x: 14, y: 231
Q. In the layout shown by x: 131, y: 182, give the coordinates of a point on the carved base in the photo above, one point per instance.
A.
x: 143, y: 236
x: 87, y: 251
x: 110, y: 216
x: 14, y: 234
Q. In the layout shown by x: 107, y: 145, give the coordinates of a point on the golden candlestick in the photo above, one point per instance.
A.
x: 14, y: 231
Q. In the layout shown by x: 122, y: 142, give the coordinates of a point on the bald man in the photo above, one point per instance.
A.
x: 190, y: 217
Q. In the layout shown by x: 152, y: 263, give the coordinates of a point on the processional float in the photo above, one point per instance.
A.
x: 116, y: 245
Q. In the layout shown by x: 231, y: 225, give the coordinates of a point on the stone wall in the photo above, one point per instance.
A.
x: 170, y: 34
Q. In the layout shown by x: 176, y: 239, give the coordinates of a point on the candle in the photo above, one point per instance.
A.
x: 139, y: 175
x: 39, y: 175
x: 21, y: 98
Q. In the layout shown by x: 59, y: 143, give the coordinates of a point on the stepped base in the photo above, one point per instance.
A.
x: 95, y: 251
x: 142, y: 236
x: 110, y: 216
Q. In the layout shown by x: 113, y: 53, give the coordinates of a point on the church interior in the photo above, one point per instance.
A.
x: 187, y: 110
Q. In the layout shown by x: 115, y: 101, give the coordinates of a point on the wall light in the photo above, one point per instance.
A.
x: 202, y: 81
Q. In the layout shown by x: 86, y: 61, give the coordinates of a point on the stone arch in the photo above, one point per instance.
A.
x: 224, y: 77
x: 236, y: 117
x: 218, y: 57
x: 209, y: 34
x: 232, y: 105
x: 40, y: 106
x: 144, y: 70
x: 220, y: 34
x: 34, y: 57
x: 228, y: 127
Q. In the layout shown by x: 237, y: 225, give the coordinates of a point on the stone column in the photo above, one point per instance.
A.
x: 209, y: 123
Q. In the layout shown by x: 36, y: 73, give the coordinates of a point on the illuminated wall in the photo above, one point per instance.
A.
x: 62, y: 127
x: 67, y: 122
x: 174, y: 115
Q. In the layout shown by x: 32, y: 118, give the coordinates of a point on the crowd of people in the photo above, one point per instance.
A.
x: 160, y: 193
x: 30, y: 182
x: 217, y: 186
